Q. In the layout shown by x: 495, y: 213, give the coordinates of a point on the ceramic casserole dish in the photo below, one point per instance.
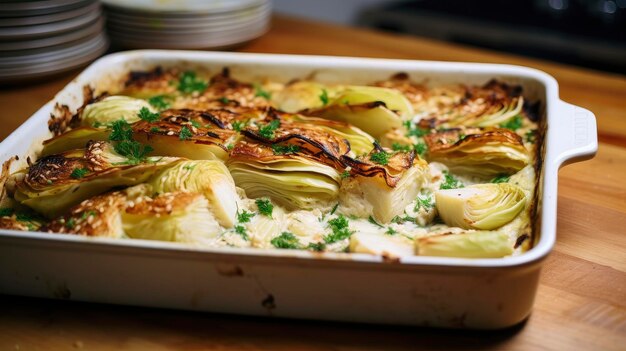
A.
x: 415, y: 290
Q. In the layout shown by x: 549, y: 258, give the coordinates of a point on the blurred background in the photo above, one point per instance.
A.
x: 588, y: 33
x: 47, y: 37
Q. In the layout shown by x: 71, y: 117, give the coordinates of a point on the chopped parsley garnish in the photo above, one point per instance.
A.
x: 462, y: 136
x: 501, y: 178
x: 514, y: 123
x: 400, y: 220
x: 196, y: 124
x: 135, y: 151
x: 155, y: 130
x: 24, y: 216
x: 159, y: 102
x: 427, y: 202
x: 188, y: 83
x: 185, y: 133
x: 230, y: 146
x: 332, y: 212
x: 258, y: 91
x: 420, y: 148
x: 241, y: 230
x: 530, y: 136
x: 319, y: 247
x: 374, y: 222
x: 380, y: 157
x: 345, y: 174
x: 238, y: 125
x: 400, y: 147
x: 90, y: 213
x: 286, y: 240
x: 267, y: 130
x: 244, y: 216
x: 450, y: 182
x: 391, y: 231
x: 120, y: 131
x: 324, y: 97
x: 7, y: 211
x: 340, y: 230
x: 224, y: 100
x: 78, y: 173
x: 265, y: 207
x: 413, y: 130
x: 70, y: 223
x: 189, y: 167
x: 285, y: 149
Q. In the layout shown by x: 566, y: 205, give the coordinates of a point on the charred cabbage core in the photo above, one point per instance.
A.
x: 178, y: 217
x: 481, y: 206
x: 209, y: 178
x: 113, y: 108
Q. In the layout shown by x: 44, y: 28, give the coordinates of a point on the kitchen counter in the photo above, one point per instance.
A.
x: 581, y: 302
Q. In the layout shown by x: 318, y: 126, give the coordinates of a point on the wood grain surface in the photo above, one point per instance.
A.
x: 581, y: 302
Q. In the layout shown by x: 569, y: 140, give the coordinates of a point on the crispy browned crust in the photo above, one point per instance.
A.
x: 414, y: 92
x: 155, y: 79
x: 355, y: 108
x: 57, y: 169
x: 447, y: 141
x: 391, y: 173
x: 314, y: 142
x: 221, y: 118
x: 221, y: 92
x: 62, y: 119
x: 91, y: 217
x: 51, y: 169
x: 478, y: 101
x: 163, y: 204
x: 11, y: 223
x: 4, y: 176
x: 173, y: 125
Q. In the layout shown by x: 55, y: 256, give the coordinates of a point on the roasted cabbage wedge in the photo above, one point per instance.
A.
x: 175, y: 216
x: 178, y: 133
x: 373, y: 118
x: 55, y: 183
x: 375, y: 110
x: 304, y: 95
x: 480, y: 152
x: 360, y: 142
x: 382, y: 191
x: 487, y: 106
x: 293, y: 180
x: 179, y: 136
x: 481, y: 206
x: 113, y: 108
x: 207, y: 177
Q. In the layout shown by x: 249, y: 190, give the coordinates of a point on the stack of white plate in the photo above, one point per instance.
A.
x: 45, y: 37
x: 186, y: 24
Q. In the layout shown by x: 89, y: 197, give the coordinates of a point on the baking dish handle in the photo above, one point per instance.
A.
x: 575, y: 134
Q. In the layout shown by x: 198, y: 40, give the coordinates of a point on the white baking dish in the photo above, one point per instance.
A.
x: 447, y: 292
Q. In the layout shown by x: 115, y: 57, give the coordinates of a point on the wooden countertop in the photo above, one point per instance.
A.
x: 581, y: 303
